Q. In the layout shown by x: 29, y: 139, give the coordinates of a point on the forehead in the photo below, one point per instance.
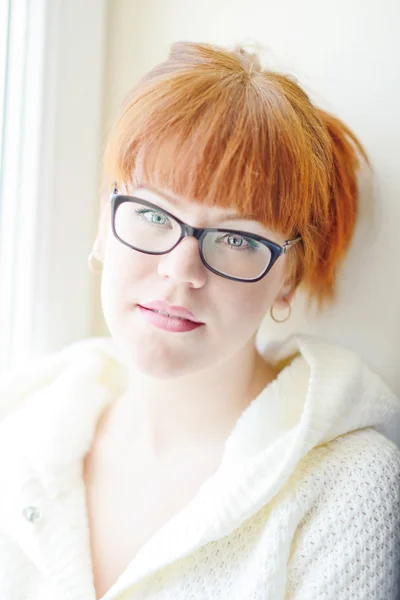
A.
x: 200, y: 213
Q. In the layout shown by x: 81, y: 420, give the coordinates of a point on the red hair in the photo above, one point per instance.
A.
x: 212, y: 126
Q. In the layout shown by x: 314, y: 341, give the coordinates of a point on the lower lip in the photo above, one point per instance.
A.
x: 168, y: 323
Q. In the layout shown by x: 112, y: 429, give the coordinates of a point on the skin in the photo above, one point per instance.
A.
x: 187, y: 390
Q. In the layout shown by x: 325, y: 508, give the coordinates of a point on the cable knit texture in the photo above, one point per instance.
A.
x: 305, y: 503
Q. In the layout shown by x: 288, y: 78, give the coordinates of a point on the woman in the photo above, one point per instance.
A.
x: 173, y: 459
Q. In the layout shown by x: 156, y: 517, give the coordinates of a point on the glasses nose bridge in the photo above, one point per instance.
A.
x: 189, y: 231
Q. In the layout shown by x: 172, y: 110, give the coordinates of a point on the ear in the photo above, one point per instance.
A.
x: 98, y: 248
x: 285, y: 295
x: 100, y: 241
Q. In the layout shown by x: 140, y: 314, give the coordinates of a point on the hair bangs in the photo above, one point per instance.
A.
x: 227, y: 145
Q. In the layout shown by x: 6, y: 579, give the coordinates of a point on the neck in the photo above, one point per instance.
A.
x: 158, y: 419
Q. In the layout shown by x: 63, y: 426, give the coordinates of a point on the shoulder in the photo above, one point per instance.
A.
x: 59, y: 400
x: 356, y: 465
x: 366, y: 453
x: 26, y: 380
x: 347, y: 544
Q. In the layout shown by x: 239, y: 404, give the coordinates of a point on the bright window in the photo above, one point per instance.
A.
x: 51, y: 98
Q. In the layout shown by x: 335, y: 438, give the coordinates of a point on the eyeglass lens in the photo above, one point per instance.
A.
x: 152, y: 230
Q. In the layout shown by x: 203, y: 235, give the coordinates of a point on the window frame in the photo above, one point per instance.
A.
x: 46, y: 291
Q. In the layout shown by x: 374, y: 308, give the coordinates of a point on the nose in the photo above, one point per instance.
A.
x: 184, y: 264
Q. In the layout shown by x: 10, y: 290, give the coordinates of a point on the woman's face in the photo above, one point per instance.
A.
x: 230, y: 310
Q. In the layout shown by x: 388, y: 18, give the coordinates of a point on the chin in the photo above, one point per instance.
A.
x: 155, y: 357
x: 162, y: 369
x: 154, y: 352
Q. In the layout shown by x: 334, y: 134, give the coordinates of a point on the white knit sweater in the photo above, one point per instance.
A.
x: 305, y: 504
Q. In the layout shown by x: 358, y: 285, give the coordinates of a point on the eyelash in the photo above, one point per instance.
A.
x: 142, y: 211
x: 252, y: 245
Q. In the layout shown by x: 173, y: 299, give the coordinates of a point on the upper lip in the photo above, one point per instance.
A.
x: 176, y: 311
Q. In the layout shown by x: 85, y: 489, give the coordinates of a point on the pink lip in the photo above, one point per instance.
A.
x: 176, y: 311
x: 171, y: 324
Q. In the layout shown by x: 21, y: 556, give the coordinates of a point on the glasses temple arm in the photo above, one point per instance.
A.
x: 288, y: 244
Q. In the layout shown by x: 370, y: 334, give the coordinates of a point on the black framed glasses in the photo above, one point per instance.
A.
x: 230, y: 253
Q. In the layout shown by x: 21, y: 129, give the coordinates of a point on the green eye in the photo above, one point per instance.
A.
x: 244, y: 243
x: 152, y: 217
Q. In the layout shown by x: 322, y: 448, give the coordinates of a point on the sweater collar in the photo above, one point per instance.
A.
x: 322, y: 391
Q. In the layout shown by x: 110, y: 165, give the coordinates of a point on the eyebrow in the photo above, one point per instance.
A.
x: 178, y: 203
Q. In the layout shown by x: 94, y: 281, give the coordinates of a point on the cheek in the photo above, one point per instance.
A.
x: 124, y: 275
x: 129, y: 264
x: 254, y: 299
x: 252, y: 305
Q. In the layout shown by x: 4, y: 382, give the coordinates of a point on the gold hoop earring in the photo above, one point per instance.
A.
x: 90, y: 262
x: 281, y: 320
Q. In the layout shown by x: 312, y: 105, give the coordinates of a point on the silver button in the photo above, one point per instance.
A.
x: 31, y: 514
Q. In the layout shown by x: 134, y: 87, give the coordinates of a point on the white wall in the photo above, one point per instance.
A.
x: 347, y: 56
